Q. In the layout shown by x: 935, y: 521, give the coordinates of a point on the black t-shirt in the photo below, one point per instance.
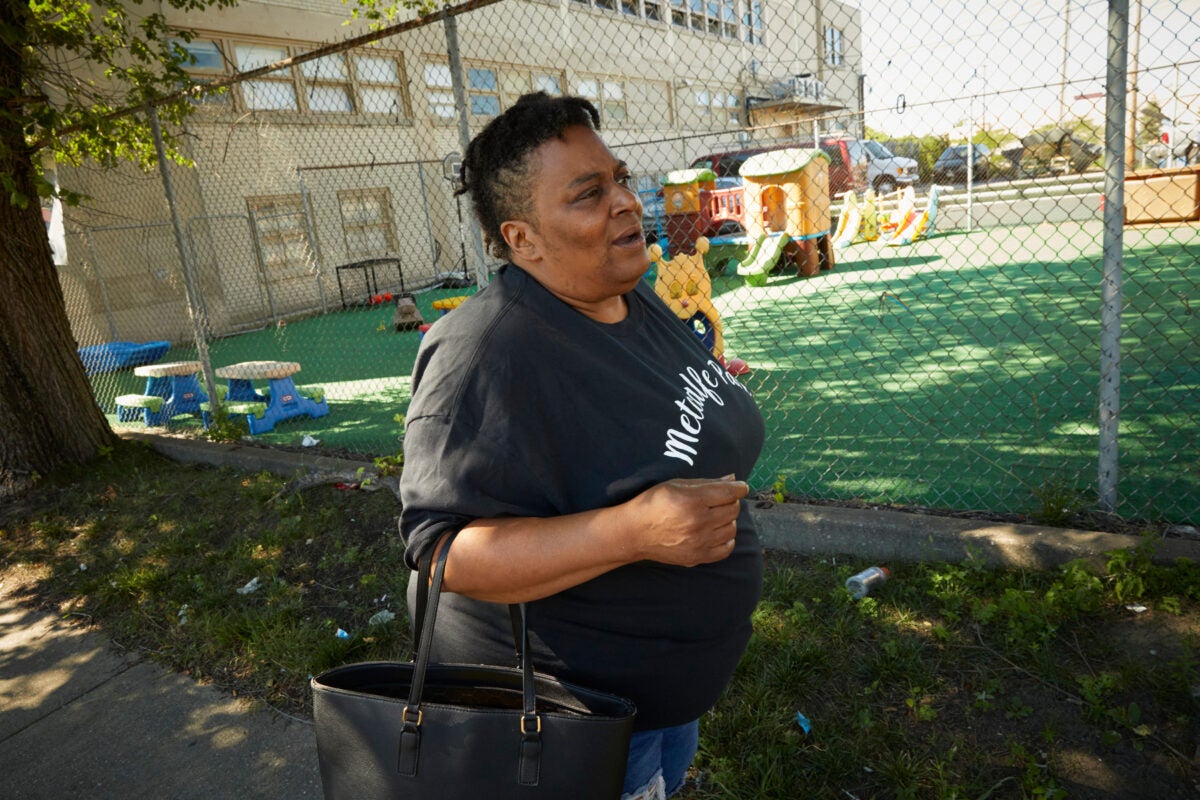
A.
x: 523, y: 406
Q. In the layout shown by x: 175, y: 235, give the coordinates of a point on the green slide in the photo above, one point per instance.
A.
x: 762, y: 258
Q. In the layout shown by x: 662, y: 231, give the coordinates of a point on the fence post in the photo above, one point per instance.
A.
x: 464, y: 137
x: 1114, y: 221
x: 199, y: 323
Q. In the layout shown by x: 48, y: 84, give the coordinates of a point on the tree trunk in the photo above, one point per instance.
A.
x: 48, y: 414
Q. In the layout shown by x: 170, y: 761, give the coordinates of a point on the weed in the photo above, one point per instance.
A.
x: 224, y: 428
x: 1058, y: 502
x: 393, y: 464
x: 1127, y: 571
x: 779, y: 488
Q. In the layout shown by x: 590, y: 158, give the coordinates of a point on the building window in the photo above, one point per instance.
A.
x: 607, y: 95
x: 834, y: 56
x: 489, y: 89
x: 717, y: 108
x: 729, y: 27
x: 203, y: 55
x: 272, y: 92
x: 550, y: 84
x: 483, y: 92
x: 204, y: 60
x: 515, y: 83
x: 441, y: 91
x: 282, y: 232
x: 337, y: 83
x: 368, y: 224
x: 380, y: 85
x: 733, y: 109
x: 327, y: 84
x: 753, y: 22
x: 652, y: 10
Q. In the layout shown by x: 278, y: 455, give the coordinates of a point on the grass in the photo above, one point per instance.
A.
x: 951, y: 681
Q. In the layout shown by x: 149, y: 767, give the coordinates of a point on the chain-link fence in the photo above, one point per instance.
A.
x: 927, y: 313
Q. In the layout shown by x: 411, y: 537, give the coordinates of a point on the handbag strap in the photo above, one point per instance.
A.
x: 516, y: 611
x: 428, y: 594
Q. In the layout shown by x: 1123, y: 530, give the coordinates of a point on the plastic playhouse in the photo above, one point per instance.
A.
x: 787, y: 213
x: 695, y: 207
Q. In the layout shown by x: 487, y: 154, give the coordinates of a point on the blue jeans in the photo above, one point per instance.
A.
x: 669, y: 750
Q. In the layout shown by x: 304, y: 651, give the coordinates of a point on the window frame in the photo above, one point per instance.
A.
x: 291, y: 267
x: 511, y: 81
x: 835, y: 38
x: 602, y: 100
x: 298, y: 77
x: 386, y: 222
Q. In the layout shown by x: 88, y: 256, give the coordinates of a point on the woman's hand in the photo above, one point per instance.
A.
x: 519, y: 559
x: 686, y: 521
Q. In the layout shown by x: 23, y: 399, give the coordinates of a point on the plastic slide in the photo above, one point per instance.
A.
x: 922, y: 224
x: 869, y: 227
x: 849, y: 222
x: 112, y: 356
x: 902, y: 216
x: 762, y: 258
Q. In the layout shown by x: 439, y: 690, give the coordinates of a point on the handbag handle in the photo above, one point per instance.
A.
x: 428, y: 594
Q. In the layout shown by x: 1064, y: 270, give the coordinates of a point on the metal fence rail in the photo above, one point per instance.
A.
x: 1034, y: 348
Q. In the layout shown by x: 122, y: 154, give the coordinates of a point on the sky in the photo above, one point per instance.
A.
x: 933, y: 64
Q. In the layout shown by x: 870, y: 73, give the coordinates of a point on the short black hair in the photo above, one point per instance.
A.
x: 495, y: 169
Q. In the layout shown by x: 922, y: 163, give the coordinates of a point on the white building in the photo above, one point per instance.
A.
x: 331, y: 161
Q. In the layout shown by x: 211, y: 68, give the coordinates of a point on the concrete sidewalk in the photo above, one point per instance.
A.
x: 78, y: 720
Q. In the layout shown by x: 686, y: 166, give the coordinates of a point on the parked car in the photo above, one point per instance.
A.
x: 886, y: 170
x: 654, y: 219
x: 951, y: 165
x: 1055, y: 152
x: 849, y: 162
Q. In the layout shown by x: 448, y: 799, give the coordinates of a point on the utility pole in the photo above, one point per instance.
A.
x: 1131, y: 132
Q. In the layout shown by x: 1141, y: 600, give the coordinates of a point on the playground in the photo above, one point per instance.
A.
x: 967, y: 354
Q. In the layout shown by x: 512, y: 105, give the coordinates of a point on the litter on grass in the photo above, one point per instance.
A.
x: 380, y: 617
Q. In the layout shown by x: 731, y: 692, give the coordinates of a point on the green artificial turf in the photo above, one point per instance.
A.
x: 959, y: 372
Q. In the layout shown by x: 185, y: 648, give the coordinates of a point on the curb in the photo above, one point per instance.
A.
x: 881, y: 536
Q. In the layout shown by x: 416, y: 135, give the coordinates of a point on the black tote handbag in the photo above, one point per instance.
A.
x: 388, y: 730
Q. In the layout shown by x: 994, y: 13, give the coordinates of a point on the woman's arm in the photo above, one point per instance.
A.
x: 519, y: 559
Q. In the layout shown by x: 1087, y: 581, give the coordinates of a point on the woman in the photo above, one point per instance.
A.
x: 588, y: 449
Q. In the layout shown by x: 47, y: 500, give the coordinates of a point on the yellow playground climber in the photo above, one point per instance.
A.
x: 684, y: 285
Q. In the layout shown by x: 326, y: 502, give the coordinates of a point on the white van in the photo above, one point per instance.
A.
x: 887, y: 171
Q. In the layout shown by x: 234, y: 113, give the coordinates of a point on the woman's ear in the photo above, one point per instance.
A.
x: 519, y: 236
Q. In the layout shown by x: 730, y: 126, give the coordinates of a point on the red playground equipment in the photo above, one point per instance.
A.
x: 695, y: 207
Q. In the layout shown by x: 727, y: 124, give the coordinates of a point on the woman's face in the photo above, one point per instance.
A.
x: 584, y: 242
